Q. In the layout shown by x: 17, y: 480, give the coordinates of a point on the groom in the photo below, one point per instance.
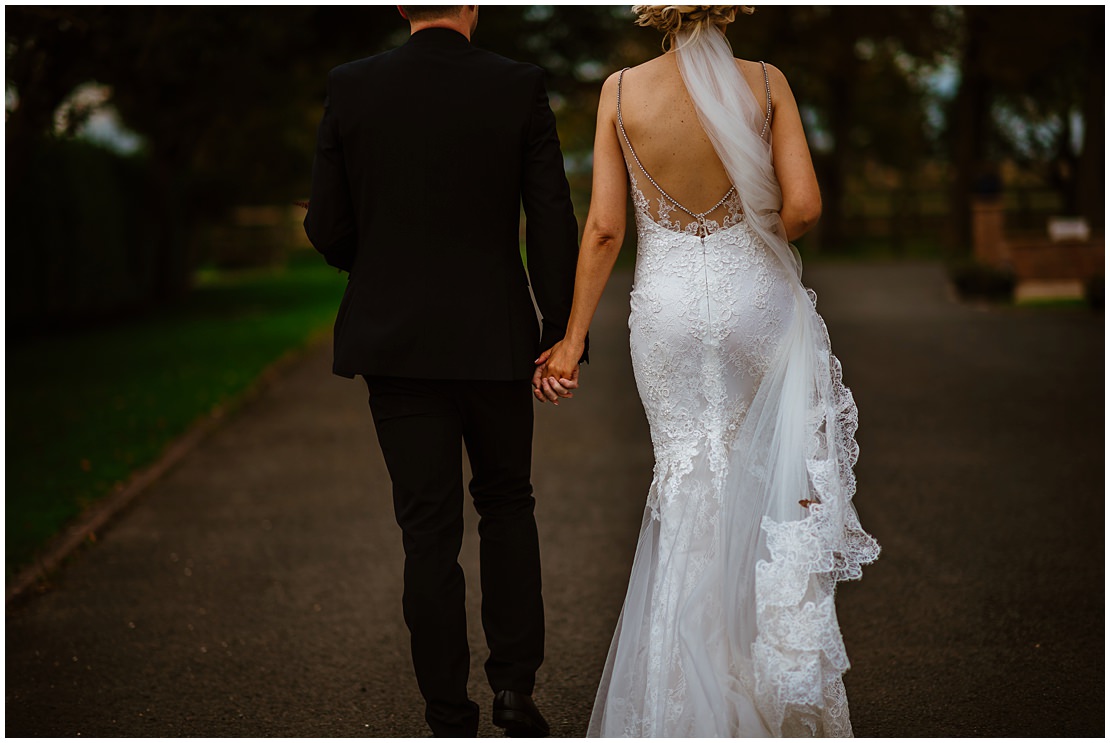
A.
x: 424, y: 156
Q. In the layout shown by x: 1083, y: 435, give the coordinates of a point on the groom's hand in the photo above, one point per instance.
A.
x: 556, y: 376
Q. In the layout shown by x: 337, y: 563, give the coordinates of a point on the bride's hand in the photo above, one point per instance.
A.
x: 557, y: 372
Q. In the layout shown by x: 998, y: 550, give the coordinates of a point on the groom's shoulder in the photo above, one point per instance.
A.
x: 512, y: 68
x: 357, y: 67
x: 499, y: 60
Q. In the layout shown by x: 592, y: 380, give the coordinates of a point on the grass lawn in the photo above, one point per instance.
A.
x: 84, y: 411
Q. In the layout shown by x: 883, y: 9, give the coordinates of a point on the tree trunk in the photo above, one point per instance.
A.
x: 834, y: 171
x: 970, y: 116
x: 1091, y: 170
x: 172, y: 230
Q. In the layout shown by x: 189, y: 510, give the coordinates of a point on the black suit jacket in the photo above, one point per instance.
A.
x: 424, y: 156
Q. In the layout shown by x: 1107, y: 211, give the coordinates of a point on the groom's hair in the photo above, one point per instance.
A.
x: 431, y: 12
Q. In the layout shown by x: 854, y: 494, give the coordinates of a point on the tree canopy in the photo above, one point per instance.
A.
x: 226, y: 98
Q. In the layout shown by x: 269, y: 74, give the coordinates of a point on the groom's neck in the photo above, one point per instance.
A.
x: 463, y: 23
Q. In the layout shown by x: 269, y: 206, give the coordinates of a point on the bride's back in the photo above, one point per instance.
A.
x: 663, y: 128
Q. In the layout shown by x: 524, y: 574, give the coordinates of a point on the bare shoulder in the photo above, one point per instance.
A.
x: 645, y: 75
x: 777, y: 78
x: 609, y: 87
x: 753, y: 70
x: 607, y: 102
x: 753, y: 73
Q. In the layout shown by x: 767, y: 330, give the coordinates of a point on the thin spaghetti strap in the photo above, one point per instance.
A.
x: 620, y: 120
x: 767, y: 82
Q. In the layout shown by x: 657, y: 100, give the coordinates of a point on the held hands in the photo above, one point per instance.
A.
x: 556, y: 372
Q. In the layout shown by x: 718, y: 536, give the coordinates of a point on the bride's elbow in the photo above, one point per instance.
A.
x: 809, y: 209
x: 800, y: 217
x: 608, y: 238
x: 808, y: 218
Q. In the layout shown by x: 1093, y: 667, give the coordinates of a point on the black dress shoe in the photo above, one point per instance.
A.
x: 517, y: 713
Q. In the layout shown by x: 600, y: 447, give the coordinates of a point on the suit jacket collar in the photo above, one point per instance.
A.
x: 438, y: 37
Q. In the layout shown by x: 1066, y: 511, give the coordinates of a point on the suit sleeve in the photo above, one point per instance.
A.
x: 330, y: 222
x: 551, y: 237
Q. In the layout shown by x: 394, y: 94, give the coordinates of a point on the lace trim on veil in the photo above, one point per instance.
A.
x: 799, y: 655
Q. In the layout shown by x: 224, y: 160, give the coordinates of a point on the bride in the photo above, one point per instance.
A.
x: 728, y: 626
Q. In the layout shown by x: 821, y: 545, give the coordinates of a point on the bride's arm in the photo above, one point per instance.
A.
x: 601, y: 241
x: 801, y: 197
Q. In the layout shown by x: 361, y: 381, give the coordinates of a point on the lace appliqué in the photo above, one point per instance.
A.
x: 733, y: 212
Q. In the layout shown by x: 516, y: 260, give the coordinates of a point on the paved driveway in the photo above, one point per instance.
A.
x: 255, y: 590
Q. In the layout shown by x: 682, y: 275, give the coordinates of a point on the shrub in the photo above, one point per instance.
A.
x: 79, y: 236
x: 977, y: 281
x: 1095, y: 292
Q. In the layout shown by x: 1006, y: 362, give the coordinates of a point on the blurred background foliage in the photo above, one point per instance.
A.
x: 156, y: 262
x: 137, y: 137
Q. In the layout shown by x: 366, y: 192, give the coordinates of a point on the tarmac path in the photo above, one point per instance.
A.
x: 256, y: 589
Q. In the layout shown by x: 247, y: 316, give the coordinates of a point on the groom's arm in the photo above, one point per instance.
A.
x: 330, y: 222
x: 551, y: 236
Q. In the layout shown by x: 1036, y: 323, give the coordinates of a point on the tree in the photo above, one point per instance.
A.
x: 219, y: 95
x: 1024, y: 75
x: 227, y: 98
x: 852, y: 70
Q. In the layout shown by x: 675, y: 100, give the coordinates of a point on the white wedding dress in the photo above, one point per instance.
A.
x: 729, y: 626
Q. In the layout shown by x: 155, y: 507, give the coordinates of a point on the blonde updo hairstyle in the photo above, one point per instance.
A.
x: 671, y: 19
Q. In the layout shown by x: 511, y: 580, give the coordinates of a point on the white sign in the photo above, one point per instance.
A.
x: 1068, y: 229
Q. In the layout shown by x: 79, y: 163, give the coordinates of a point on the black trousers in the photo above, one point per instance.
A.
x: 421, y: 425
